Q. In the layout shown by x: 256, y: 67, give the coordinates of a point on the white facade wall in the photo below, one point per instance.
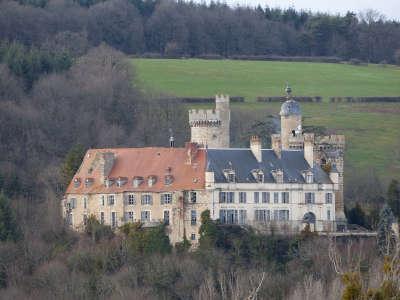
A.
x: 297, y: 206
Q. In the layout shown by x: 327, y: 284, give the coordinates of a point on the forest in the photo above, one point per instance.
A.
x: 66, y: 86
x: 154, y: 28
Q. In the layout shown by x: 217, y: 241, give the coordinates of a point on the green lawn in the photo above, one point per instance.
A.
x: 196, y: 77
x: 372, y: 129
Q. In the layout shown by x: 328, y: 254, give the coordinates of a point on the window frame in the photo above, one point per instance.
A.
x: 193, y: 217
x: 242, y: 197
x: 146, y: 199
x: 265, y: 197
x: 131, y: 199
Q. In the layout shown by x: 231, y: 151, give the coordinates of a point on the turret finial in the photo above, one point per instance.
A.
x: 288, y: 90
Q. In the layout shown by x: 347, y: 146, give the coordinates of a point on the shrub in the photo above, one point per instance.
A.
x: 355, y: 61
x: 97, y: 230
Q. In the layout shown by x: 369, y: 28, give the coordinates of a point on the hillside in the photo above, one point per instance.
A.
x: 371, y: 129
x: 195, y: 77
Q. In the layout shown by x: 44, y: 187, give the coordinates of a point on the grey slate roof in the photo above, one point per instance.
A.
x: 292, y: 163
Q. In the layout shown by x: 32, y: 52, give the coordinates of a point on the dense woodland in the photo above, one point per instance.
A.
x: 65, y: 86
x: 169, y: 28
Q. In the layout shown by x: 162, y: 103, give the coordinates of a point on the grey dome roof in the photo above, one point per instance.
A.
x: 290, y: 107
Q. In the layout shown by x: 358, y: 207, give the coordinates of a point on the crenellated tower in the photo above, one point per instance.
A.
x: 210, y: 127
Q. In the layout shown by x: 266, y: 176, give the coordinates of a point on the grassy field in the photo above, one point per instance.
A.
x: 372, y: 129
x: 195, y: 77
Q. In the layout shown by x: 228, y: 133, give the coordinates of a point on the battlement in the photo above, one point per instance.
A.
x: 203, y: 115
x: 337, y: 140
x: 222, y: 98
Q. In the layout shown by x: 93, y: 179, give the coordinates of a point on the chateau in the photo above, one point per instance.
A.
x: 298, y: 181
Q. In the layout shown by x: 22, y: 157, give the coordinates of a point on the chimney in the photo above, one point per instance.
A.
x: 192, y: 149
x: 171, y: 139
x: 255, y: 147
x: 309, y: 148
x: 107, y: 160
x: 276, y: 144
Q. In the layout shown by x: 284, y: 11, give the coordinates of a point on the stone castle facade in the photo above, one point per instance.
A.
x: 210, y: 127
x: 298, y: 181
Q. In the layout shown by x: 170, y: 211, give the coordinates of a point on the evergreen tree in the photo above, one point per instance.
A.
x: 393, y: 195
x: 208, y: 231
x: 356, y: 215
x: 71, y: 163
x: 385, y: 233
x: 9, y: 230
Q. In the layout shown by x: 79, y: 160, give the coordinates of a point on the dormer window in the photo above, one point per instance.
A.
x: 278, y: 175
x: 108, y: 182
x: 137, y: 181
x: 121, y: 181
x: 168, y: 179
x: 89, y: 182
x: 230, y: 175
x: 258, y: 175
x: 308, y: 176
x: 77, y: 182
x: 151, y: 180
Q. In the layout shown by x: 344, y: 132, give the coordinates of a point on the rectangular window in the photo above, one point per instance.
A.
x: 114, y: 219
x: 145, y: 216
x: 309, y: 198
x: 328, y: 198
x: 285, y: 197
x: 147, y: 200
x: 276, y: 197
x: 166, y: 217
x: 242, y: 216
x: 283, y: 215
x: 102, y: 200
x: 70, y: 219
x: 131, y: 199
x: 222, y: 216
x: 166, y: 198
x: 230, y: 197
x: 85, y: 219
x: 85, y: 202
x: 276, y: 215
x: 231, y: 216
x: 102, y: 217
x: 256, y: 197
x: 193, y: 236
x: 242, y: 197
x: 193, y: 217
x: 193, y: 197
x: 260, y: 215
x: 222, y: 197
x: 72, y: 203
x: 265, y: 197
x: 328, y: 215
x: 111, y: 199
x: 129, y: 216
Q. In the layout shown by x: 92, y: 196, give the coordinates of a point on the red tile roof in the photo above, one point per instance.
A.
x: 187, y: 174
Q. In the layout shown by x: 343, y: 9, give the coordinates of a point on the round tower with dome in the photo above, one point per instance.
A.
x: 290, y: 119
